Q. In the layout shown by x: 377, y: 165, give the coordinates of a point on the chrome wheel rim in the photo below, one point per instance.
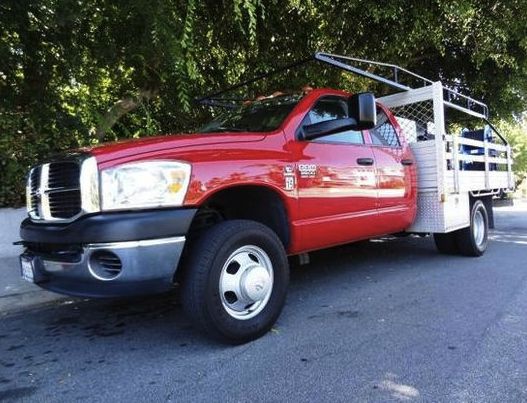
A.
x: 479, y: 228
x: 246, y: 282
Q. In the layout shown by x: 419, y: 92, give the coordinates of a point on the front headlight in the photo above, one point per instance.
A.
x: 146, y: 184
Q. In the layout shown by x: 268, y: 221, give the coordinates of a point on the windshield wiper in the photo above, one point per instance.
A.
x: 226, y: 129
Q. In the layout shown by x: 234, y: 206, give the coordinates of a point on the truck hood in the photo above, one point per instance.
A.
x: 127, y: 148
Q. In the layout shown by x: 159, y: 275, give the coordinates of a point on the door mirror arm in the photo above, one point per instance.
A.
x: 327, y: 127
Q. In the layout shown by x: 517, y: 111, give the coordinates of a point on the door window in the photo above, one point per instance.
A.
x: 330, y: 108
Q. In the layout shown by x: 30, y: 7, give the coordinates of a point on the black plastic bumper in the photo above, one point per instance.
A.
x: 111, y: 227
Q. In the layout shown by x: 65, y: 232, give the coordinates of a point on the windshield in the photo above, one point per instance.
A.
x: 254, y: 116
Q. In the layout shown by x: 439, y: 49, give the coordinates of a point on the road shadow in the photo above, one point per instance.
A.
x: 160, y: 318
x: 372, y: 256
x: 81, y: 337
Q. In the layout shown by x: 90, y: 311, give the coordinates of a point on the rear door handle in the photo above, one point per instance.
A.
x: 407, y: 162
x: 365, y: 161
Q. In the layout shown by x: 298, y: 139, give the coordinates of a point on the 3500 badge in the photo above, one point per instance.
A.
x: 307, y: 170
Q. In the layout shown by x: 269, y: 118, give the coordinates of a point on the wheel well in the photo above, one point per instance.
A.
x: 487, y: 202
x: 255, y: 203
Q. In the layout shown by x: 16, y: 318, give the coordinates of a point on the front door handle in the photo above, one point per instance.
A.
x: 407, y: 162
x: 365, y: 161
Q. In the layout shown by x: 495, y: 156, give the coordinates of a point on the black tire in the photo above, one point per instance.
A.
x: 469, y: 243
x: 201, y: 297
x: 446, y: 243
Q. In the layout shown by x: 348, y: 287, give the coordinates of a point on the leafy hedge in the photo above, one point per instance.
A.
x: 75, y: 73
x: 20, y: 147
x: 28, y: 138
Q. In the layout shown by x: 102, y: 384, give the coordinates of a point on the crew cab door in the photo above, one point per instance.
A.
x: 337, y: 186
x: 395, y: 171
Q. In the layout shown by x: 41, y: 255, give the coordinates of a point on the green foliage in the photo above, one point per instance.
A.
x: 76, y: 73
x: 516, y: 134
x: 16, y: 152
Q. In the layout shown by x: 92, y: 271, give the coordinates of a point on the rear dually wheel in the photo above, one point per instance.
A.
x: 469, y: 241
x: 473, y: 240
x: 446, y: 243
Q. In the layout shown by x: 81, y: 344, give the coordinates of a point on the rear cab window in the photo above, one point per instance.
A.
x: 384, y: 134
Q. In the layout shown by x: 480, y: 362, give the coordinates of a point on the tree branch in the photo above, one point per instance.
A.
x: 121, y: 108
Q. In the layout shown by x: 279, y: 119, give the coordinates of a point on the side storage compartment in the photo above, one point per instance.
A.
x: 441, y: 216
x: 437, y: 213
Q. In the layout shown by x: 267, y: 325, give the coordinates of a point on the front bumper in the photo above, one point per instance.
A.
x: 111, y: 227
x: 111, y: 255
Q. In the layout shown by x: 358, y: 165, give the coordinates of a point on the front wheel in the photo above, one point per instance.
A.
x: 235, y: 281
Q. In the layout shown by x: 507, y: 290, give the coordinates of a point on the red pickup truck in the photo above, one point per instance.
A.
x: 219, y: 211
x: 234, y: 200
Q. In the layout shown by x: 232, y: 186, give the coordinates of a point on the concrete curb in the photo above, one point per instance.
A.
x: 16, y: 294
x: 10, y: 220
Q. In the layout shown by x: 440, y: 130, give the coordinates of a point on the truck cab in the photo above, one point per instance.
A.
x: 353, y: 184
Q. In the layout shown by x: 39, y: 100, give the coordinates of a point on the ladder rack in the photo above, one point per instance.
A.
x: 392, y: 75
x: 396, y: 76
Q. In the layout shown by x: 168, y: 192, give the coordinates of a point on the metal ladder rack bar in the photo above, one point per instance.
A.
x: 453, y: 98
x: 330, y: 59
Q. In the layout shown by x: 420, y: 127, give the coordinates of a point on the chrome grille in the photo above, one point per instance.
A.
x: 64, y: 194
x: 54, y: 190
x: 33, y: 186
x: 64, y: 175
x: 65, y: 204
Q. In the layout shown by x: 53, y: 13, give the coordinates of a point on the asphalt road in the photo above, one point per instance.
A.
x: 389, y: 320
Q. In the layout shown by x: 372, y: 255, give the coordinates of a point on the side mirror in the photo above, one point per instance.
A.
x: 321, y: 129
x: 362, y: 112
x: 362, y: 108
